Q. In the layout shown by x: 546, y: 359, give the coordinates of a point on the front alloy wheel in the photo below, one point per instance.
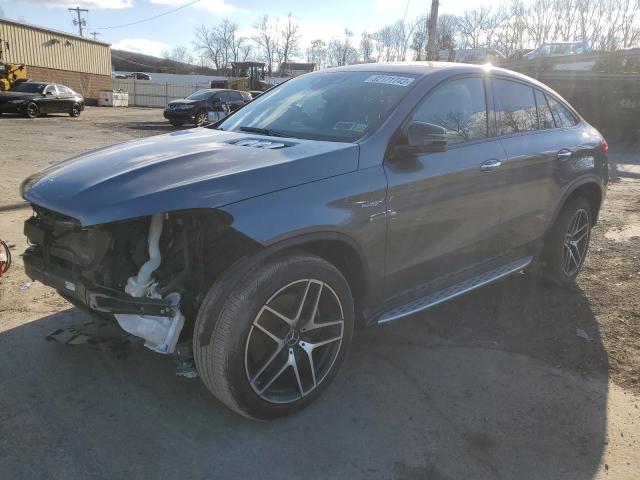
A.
x: 271, y: 336
x: 201, y: 118
x: 294, y: 341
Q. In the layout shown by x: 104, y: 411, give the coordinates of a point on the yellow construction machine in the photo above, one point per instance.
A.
x: 10, y: 73
x: 246, y: 77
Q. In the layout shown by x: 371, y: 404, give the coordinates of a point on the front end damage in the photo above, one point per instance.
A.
x: 149, y: 273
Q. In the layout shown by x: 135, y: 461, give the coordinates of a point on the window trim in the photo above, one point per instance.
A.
x: 546, y: 101
x: 405, y: 122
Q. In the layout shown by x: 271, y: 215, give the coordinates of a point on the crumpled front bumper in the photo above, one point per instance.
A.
x: 93, y: 297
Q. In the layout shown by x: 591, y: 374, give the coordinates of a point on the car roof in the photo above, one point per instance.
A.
x: 422, y: 69
x: 442, y: 69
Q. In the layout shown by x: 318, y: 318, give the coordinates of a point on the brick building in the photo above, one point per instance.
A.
x: 52, y: 56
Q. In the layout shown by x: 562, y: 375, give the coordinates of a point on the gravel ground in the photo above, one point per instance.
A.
x: 516, y: 380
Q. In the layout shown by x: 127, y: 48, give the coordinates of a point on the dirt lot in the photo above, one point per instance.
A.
x: 517, y: 380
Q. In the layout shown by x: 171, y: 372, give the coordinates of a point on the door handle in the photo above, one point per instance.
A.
x: 564, y: 154
x: 490, y: 165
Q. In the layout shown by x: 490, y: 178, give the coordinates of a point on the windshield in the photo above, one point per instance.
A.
x: 29, y: 87
x: 200, y: 95
x: 334, y: 106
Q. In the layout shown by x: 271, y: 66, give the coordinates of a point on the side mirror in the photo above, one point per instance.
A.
x: 426, y: 137
x: 49, y: 93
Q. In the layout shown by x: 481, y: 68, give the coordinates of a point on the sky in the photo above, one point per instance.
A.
x: 325, y: 19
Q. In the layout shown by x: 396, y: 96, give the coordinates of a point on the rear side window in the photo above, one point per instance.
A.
x: 460, y: 107
x: 515, y: 107
x: 544, y: 112
x: 561, y: 114
x: 235, y: 97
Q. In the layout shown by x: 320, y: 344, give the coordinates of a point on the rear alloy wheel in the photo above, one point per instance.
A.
x: 75, y: 111
x: 267, y: 342
x: 201, y: 118
x: 566, y: 247
x: 32, y: 110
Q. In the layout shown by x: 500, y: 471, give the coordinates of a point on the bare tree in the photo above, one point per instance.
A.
x: 472, y: 25
x: 447, y: 32
x: 419, y: 39
x: 220, y: 44
x: 208, y: 43
x: 341, y: 52
x: 317, y: 53
x: 384, y: 39
x: 245, y: 50
x: 366, y: 46
x: 511, y: 32
x: 289, y: 45
x: 266, y: 37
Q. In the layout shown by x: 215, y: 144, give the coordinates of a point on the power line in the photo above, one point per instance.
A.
x: 150, y: 18
x: 80, y: 22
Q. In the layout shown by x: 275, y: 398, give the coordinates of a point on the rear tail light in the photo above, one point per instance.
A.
x: 605, y: 147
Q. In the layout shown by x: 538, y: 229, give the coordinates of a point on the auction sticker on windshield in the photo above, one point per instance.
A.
x: 390, y: 80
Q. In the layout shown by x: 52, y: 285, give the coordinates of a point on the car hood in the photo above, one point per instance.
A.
x: 199, y: 168
x: 6, y: 96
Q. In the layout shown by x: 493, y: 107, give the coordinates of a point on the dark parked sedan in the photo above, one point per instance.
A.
x: 365, y: 193
x: 35, y: 98
x: 205, y: 106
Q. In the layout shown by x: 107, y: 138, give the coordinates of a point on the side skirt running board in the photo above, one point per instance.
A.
x: 454, y: 290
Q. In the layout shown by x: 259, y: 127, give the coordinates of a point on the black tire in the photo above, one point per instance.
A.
x: 175, y: 123
x: 32, y: 110
x: 556, y: 254
x: 201, y: 119
x: 75, y: 111
x: 226, y: 321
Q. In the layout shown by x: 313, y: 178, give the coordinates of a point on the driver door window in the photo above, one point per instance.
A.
x: 50, y: 90
x: 458, y: 106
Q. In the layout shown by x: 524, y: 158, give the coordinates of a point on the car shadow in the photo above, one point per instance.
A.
x: 509, y: 381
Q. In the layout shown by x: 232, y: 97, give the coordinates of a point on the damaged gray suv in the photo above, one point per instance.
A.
x: 358, y: 194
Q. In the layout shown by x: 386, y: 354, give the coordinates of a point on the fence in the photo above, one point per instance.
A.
x: 143, y: 93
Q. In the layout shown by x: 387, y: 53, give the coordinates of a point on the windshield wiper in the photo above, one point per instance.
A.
x: 264, y: 131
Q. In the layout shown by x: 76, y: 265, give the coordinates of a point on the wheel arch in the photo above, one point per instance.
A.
x: 338, y: 249
x: 589, y: 188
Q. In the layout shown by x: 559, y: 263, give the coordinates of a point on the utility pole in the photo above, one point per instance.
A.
x: 80, y: 22
x: 432, y: 42
x: 95, y: 35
